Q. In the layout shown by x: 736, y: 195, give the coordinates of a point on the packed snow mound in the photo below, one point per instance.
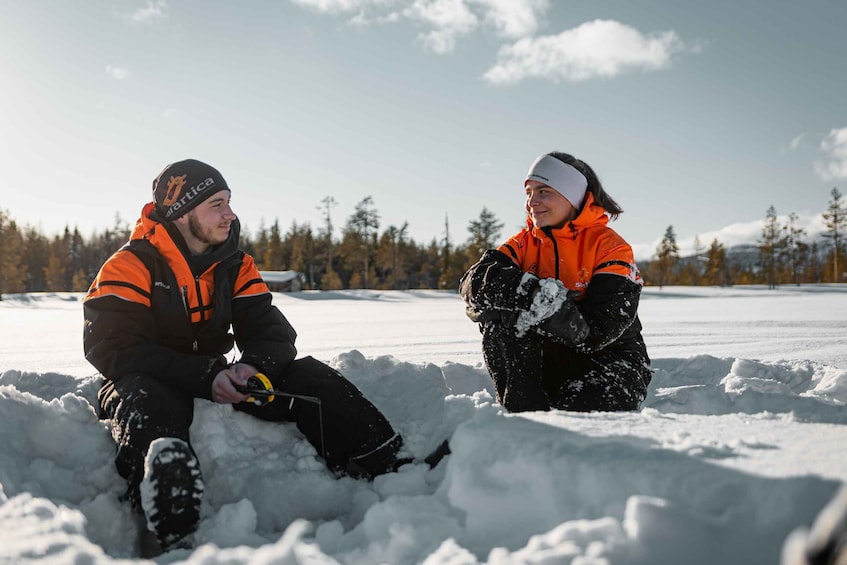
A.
x: 810, y: 392
x: 625, y: 487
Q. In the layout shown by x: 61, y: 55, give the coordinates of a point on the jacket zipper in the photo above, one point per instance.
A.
x: 548, y: 231
x: 188, y: 313
x: 199, y: 298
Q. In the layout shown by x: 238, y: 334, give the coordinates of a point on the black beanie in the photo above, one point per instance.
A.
x: 181, y: 186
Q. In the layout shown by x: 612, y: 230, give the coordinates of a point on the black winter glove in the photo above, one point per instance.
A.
x: 566, y: 325
x: 494, y: 288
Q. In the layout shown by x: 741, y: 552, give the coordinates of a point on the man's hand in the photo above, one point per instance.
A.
x: 223, y: 385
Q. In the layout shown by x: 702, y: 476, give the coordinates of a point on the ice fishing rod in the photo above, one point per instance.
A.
x: 261, y: 392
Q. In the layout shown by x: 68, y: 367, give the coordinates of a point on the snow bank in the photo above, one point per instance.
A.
x: 728, y: 458
x: 517, y: 488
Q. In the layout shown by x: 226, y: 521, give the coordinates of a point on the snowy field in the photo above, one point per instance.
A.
x: 738, y: 447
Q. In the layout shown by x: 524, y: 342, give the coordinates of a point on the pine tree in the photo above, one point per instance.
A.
x: 445, y: 252
x: 699, y: 260
x: 426, y: 269
x: 361, y: 228
x: 76, y: 263
x: 836, y: 224
x: 485, y: 233
x: 694, y: 265
x: 815, y: 268
x: 667, y: 258
x: 56, y: 274
x: 273, y: 256
x: 298, y: 243
x: 330, y: 280
x: 390, y: 256
x: 12, y: 270
x: 325, y: 242
x: 770, y: 245
x: 80, y: 281
x: 36, y: 257
x: 796, y: 251
x: 716, y: 266
x: 453, y: 260
x: 260, y: 246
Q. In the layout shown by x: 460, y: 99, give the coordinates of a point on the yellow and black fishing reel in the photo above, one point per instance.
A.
x: 259, y: 389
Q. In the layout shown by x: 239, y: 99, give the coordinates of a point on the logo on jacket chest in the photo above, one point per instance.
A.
x: 582, y: 278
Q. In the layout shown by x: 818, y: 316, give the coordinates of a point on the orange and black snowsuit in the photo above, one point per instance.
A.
x: 157, y: 326
x: 155, y: 309
x: 608, y: 370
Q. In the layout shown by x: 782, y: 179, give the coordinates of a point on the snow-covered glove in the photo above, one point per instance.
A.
x: 548, y: 298
x: 495, y: 289
x: 553, y: 314
x: 566, y: 325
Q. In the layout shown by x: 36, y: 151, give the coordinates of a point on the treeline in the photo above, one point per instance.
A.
x: 367, y: 257
x: 783, y: 255
x: 363, y: 257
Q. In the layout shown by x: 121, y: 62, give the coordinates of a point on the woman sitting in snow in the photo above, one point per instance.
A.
x: 557, y: 303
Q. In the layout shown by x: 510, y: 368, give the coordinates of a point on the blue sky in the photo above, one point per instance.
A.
x: 694, y: 114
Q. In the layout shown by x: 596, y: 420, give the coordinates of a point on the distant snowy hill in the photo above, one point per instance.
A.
x: 738, y: 235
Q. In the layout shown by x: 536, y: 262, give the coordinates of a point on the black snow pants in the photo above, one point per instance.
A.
x: 352, y: 434
x: 535, y: 373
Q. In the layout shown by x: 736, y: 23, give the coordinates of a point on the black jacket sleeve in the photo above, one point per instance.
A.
x: 610, y: 307
x: 495, y: 287
x: 119, y: 340
x: 263, y: 334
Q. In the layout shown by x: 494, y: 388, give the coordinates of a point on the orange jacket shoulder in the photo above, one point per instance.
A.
x: 124, y: 276
x: 249, y: 282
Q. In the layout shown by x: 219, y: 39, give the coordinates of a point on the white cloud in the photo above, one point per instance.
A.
x: 794, y: 144
x: 450, y: 18
x: 833, y: 164
x: 596, y: 49
x: 335, y: 6
x: 445, y: 21
x: 117, y: 73
x: 439, y: 41
x: 153, y: 11
x: 511, y: 18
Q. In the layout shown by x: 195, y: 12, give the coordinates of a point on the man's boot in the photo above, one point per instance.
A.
x: 171, y: 491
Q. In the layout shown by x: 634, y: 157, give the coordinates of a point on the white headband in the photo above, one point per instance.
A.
x: 564, y: 178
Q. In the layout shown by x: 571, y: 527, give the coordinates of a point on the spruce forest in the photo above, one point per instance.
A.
x: 783, y: 254
x: 366, y: 256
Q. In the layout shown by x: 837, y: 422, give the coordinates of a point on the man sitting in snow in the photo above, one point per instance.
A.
x: 157, y: 326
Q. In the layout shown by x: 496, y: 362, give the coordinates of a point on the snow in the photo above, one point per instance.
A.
x: 738, y: 447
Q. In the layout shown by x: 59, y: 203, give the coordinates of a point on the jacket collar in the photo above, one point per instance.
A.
x: 592, y: 214
x: 169, y: 242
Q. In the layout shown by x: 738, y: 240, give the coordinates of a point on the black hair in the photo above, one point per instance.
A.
x: 601, y: 197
